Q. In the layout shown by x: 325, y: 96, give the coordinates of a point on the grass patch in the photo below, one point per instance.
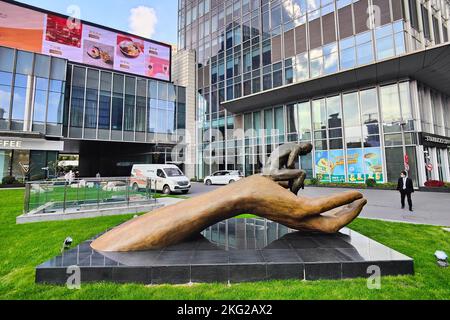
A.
x: 22, y: 247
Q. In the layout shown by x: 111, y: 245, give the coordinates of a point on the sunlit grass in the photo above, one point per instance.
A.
x: 22, y: 247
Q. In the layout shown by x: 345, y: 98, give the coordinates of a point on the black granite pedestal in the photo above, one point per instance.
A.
x: 237, y: 250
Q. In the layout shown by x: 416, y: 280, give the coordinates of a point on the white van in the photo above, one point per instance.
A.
x: 167, y: 178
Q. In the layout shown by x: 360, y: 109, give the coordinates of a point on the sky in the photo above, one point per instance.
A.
x: 153, y: 19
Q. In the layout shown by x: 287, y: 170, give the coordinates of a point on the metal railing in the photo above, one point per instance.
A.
x: 90, y: 193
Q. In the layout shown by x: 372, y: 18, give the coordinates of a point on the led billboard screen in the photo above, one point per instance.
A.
x: 55, y: 35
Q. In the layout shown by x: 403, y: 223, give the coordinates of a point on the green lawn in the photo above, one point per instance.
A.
x: 22, y: 247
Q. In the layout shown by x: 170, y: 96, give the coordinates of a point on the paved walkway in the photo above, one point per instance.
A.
x: 429, y: 207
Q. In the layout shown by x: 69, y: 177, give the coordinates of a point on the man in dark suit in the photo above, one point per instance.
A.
x: 406, y: 188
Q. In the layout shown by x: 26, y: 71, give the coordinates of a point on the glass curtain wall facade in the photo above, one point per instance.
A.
x: 245, y: 47
x: 356, y: 135
x: 32, y: 92
x: 111, y: 106
x: 45, y: 100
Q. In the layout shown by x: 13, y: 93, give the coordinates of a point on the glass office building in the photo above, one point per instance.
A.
x: 365, y: 81
x: 111, y: 119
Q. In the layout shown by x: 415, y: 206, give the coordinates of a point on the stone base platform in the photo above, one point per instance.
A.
x: 237, y: 250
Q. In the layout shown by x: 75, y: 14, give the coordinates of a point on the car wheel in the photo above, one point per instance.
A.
x: 135, y: 187
x: 232, y: 181
x: 208, y: 182
x: 166, y: 190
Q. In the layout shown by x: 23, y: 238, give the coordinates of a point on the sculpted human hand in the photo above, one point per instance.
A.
x: 256, y: 195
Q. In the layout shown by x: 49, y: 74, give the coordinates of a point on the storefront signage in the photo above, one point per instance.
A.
x: 30, y: 144
x: 433, y: 140
x: 10, y: 144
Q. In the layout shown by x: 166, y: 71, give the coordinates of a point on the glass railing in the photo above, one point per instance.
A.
x: 85, y: 194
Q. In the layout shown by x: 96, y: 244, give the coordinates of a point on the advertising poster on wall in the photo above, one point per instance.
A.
x: 81, y: 42
x: 355, y: 166
x: 373, y: 164
x: 98, y: 47
x: 61, y: 39
x: 337, y: 166
x: 323, y: 172
x: 21, y: 28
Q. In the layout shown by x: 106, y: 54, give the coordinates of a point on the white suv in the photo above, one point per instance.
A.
x: 223, y: 177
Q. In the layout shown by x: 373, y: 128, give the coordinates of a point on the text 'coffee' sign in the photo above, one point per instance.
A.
x: 433, y: 140
x: 30, y: 144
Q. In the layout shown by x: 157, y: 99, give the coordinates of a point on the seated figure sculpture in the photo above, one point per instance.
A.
x: 262, y: 195
x: 281, y: 166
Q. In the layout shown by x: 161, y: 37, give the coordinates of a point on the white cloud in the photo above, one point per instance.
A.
x: 142, y: 21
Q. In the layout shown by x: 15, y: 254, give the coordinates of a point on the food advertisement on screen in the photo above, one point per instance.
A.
x: 21, y: 28
x: 98, y: 47
x: 62, y: 39
x: 130, y: 54
x: 55, y: 35
x: 157, y: 61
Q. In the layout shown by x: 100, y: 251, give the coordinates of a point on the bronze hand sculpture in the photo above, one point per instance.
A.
x: 256, y: 195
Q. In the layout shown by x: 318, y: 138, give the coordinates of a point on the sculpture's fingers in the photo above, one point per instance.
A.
x: 332, y: 222
x: 323, y: 204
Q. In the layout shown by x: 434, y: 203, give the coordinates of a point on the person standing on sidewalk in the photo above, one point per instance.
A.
x: 406, y: 188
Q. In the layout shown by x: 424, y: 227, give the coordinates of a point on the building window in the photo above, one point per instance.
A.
x: 5, y: 98
x: 348, y: 55
x: 141, y: 105
x: 352, y: 120
x: 364, y: 48
x: 390, y: 107
x: 40, y: 99
x: 117, y: 102
x: 304, y: 116
x: 385, y: 42
x: 426, y: 22
x: 104, y: 116
x: 77, y: 105
x: 21, y: 85
x: 56, y: 102
x: 130, y: 101
x: 90, y: 117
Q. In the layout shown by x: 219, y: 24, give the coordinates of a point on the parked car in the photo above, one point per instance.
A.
x: 166, y: 178
x: 223, y: 177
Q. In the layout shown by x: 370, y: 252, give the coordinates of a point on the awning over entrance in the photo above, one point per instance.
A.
x: 430, y: 66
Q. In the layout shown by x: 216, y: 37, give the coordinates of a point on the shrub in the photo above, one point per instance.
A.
x: 434, y: 184
x: 8, y: 180
x: 371, y: 183
x: 314, y: 181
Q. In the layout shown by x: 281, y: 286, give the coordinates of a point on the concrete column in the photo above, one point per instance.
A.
x: 28, y: 112
x: 185, y: 75
x: 421, y: 170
